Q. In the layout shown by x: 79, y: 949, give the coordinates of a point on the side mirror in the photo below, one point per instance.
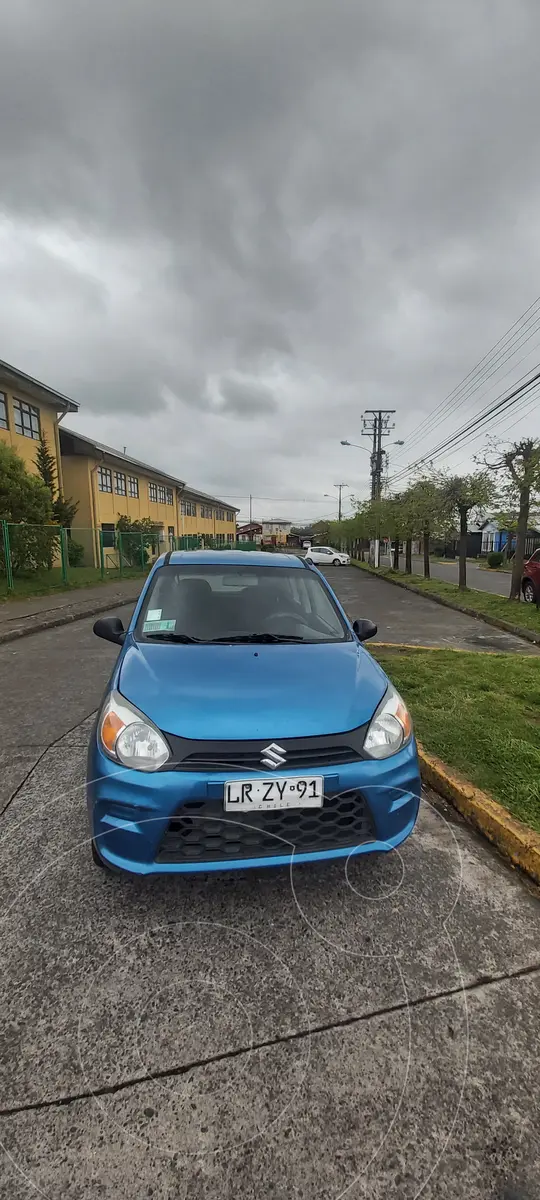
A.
x: 363, y: 629
x: 111, y: 629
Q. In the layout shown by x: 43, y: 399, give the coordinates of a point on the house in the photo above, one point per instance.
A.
x: 275, y: 533
x: 495, y: 538
x: 252, y: 532
x: 108, y: 484
x: 27, y: 410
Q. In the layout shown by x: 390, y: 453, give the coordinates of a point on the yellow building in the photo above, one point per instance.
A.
x: 205, y: 516
x: 28, y: 409
x: 108, y: 484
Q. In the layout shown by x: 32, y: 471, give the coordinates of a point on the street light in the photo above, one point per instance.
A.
x: 344, y: 442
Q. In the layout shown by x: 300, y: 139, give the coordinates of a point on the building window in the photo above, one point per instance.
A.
x: 120, y: 483
x: 170, y: 497
x: 26, y: 420
x: 162, y: 494
x: 3, y: 412
x: 188, y: 509
x: 220, y: 539
x: 230, y: 537
x: 108, y: 535
x: 171, y: 530
x: 104, y: 479
x: 133, y: 487
x: 220, y: 514
x: 206, y: 512
x: 230, y: 516
x: 152, y: 492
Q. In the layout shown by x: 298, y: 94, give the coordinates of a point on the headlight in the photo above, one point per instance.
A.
x: 128, y: 737
x: 390, y: 728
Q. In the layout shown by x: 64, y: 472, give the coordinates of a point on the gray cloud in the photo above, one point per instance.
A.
x: 246, y: 399
x: 326, y: 206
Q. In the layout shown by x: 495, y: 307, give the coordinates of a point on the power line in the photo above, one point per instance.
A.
x: 501, y: 405
x: 481, y: 367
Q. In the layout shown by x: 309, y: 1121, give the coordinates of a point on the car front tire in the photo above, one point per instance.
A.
x: 529, y: 593
x: 97, y: 859
x: 336, y: 562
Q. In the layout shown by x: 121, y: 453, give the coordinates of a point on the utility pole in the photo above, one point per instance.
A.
x: 376, y: 425
x: 340, y: 487
x: 250, y: 508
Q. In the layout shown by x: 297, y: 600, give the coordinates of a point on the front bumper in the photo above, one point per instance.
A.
x: 130, y: 811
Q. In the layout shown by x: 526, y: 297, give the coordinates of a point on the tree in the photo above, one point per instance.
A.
x: 46, y: 465
x: 137, y: 538
x: 521, y: 464
x: 423, y: 509
x: 25, y: 503
x: 63, y: 511
x: 462, y: 495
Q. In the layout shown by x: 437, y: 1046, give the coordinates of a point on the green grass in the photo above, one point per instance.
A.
x: 43, y: 583
x: 485, y: 604
x: 479, y: 713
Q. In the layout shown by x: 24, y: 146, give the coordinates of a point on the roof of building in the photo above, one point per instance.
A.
x: 232, y: 558
x: 189, y: 491
x: 100, y: 449
x: 28, y: 381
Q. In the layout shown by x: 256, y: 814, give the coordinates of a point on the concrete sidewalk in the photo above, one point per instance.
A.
x: 20, y: 617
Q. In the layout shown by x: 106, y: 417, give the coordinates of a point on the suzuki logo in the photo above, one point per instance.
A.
x: 273, y: 756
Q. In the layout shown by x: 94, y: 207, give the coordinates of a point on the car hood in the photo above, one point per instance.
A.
x: 217, y: 692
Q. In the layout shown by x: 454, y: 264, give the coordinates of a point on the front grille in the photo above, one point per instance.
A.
x: 201, y: 831
x: 250, y: 760
x: 304, y: 754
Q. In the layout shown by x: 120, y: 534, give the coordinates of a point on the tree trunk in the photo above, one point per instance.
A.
x: 463, y: 514
x: 425, y: 540
x: 408, y: 556
x: 519, y: 556
x: 395, y: 563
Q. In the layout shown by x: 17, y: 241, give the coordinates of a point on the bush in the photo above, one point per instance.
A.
x: 495, y: 559
x: 75, y: 553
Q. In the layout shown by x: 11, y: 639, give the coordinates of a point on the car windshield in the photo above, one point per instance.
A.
x: 210, y: 603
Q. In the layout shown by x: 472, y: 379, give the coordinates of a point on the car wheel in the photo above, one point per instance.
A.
x: 96, y: 858
x: 337, y: 562
x: 529, y: 594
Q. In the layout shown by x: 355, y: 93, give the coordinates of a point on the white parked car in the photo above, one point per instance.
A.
x: 325, y: 554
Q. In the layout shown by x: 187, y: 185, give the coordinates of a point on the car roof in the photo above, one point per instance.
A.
x: 231, y: 558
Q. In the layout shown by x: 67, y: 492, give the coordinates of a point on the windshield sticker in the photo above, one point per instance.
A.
x: 153, y: 614
x: 159, y: 626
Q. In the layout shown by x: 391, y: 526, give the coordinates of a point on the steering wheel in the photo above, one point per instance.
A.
x: 278, y: 616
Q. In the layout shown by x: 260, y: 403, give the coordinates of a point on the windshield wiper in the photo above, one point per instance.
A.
x: 172, y: 637
x: 260, y: 637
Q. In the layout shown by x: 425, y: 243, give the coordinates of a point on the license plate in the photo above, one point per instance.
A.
x: 252, y: 795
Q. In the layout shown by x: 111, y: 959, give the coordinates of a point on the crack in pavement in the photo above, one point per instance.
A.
x: 41, y: 756
x: 483, y: 981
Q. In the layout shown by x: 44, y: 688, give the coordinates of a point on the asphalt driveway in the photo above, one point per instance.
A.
x: 332, y: 1031
x: 478, y: 577
x: 402, y: 616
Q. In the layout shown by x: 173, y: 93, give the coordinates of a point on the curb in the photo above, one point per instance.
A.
x: 64, y: 618
x: 514, y: 839
x: 497, y: 622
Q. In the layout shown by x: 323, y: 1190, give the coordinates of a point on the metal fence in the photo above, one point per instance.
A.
x: 45, y: 557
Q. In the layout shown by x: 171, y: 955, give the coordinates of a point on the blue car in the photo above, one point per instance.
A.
x: 245, y: 723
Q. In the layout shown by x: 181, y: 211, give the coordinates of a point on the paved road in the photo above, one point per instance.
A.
x: 313, y: 1033
x: 402, y: 616
x: 477, y: 577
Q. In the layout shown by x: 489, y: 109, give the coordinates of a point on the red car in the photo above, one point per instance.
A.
x: 530, y: 583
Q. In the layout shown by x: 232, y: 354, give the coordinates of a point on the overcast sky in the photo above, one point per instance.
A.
x: 227, y: 227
